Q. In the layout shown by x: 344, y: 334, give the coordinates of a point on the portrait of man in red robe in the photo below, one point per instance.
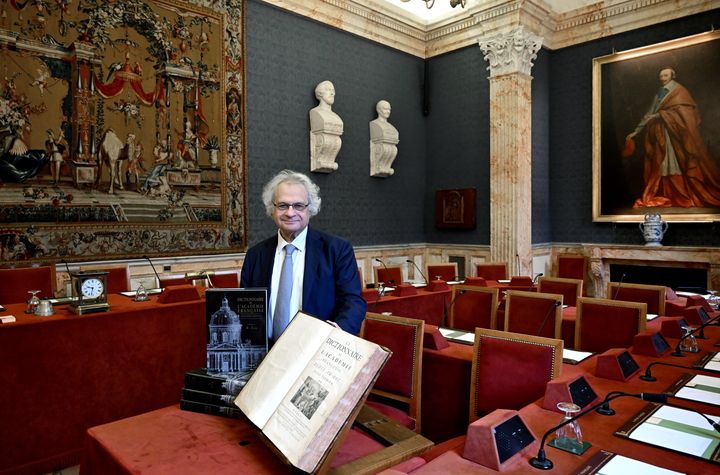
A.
x: 678, y: 169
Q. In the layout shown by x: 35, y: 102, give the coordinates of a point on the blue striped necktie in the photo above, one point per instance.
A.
x: 281, y: 317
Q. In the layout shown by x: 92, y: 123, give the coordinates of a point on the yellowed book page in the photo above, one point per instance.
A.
x: 317, y: 392
x: 281, y: 367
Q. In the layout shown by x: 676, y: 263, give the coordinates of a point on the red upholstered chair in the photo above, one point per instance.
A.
x: 572, y: 266
x: 16, y: 283
x: 570, y: 289
x: 492, y: 270
x: 389, y: 276
x: 473, y: 307
x: 533, y: 313
x: 602, y: 324
x: 224, y: 280
x: 447, y: 271
x: 118, y: 276
x: 652, y: 295
x: 510, y: 370
x: 399, y: 383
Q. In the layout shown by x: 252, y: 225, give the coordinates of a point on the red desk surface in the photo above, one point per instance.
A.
x: 597, y: 429
x: 172, y: 441
x: 424, y: 305
x: 65, y: 373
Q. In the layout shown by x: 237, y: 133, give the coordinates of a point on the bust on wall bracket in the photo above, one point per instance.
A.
x: 384, y: 138
x: 326, y: 127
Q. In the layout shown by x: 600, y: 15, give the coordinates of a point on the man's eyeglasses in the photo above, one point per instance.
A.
x: 287, y: 206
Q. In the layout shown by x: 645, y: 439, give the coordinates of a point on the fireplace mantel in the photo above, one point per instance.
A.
x: 601, y: 256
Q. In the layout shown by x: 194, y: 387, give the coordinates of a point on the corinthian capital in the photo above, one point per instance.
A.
x: 511, y: 52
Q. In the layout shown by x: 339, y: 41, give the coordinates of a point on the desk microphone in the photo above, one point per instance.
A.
x: 534, y: 281
x: 552, y: 308
x: 418, y: 269
x: 391, y: 281
x: 701, y: 328
x: 153, y: 268
x: 448, y: 309
x: 67, y: 267
x: 649, y: 377
x: 517, y: 263
x: 617, y: 289
x: 543, y: 463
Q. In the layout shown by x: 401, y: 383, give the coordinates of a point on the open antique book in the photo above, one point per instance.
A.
x: 308, y: 389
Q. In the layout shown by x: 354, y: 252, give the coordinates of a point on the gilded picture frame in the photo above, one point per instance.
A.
x: 122, y: 129
x: 656, y: 132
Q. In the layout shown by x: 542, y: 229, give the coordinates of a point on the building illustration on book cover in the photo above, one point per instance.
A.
x: 236, y: 330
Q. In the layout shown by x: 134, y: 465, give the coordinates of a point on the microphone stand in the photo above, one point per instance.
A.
x: 648, y: 374
x: 543, y: 463
x: 555, y: 305
x: 678, y: 351
x: 448, y: 309
x: 617, y: 289
x: 157, y: 276
x: 418, y: 269
x: 392, y: 281
x: 534, y: 281
x: 517, y: 263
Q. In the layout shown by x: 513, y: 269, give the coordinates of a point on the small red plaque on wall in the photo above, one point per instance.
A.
x: 455, y: 209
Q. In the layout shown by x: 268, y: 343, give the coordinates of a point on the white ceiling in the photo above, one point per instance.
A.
x: 417, y: 10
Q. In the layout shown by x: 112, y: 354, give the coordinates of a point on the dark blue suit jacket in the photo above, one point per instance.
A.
x: 331, y: 283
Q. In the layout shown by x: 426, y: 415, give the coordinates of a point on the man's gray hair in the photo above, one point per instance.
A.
x: 293, y: 178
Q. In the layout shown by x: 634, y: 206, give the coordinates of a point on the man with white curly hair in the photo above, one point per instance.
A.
x: 303, y: 268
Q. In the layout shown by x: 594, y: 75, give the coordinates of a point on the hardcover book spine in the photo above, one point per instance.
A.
x: 212, y: 384
x: 211, y: 409
x: 208, y: 398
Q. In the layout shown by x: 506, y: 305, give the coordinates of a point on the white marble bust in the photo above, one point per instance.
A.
x: 384, y: 138
x: 326, y: 127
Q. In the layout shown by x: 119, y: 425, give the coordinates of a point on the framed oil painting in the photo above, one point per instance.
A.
x: 121, y: 129
x: 656, y: 132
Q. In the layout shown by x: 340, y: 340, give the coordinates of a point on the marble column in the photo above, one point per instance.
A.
x: 510, y: 57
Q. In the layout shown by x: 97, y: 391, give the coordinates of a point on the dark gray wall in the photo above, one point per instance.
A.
x: 458, y: 139
x: 571, y: 139
x: 286, y: 57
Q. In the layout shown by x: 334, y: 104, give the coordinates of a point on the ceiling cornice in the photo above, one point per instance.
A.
x: 371, y: 20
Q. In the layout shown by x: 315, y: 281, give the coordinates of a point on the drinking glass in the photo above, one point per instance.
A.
x: 689, y: 343
x: 569, y: 436
x: 33, y: 302
x: 141, y: 294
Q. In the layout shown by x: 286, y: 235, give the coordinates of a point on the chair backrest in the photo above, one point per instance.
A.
x: 447, y: 271
x: 602, y: 324
x: 510, y: 370
x: 492, y: 270
x: 570, y: 289
x: 533, y: 313
x: 572, y: 266
x: 118, y: 278
x: 652, y: 295
x: 16, y: 282
x: 473, y: 307
x: 389, y: 276
x: 225, y: 280
x: 401, y: 378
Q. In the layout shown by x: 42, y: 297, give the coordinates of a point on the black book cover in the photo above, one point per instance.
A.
x: 236, y: 333
x: 193, y: 395
x: 215, y: 410
x: 199, y: 379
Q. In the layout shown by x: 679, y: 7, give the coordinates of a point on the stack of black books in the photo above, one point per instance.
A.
x: 236, y: 344
x: 212, y: 393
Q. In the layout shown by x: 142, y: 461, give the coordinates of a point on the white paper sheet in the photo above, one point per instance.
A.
x: 651, y: 316
x: 699, y: 395
x: 576, y: 356
x: 672, y: 439
x: 457, y: 335
x: 620, y: 465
